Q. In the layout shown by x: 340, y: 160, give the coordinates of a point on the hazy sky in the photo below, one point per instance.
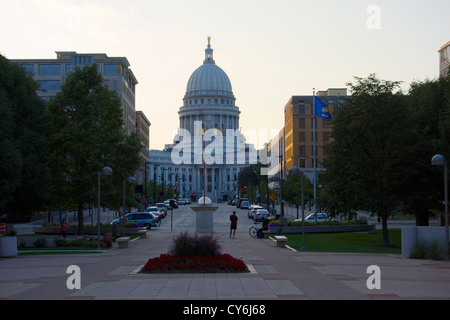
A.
x: 270, y: 49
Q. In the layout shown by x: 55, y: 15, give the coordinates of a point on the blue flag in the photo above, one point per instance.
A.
x: 322, y: 109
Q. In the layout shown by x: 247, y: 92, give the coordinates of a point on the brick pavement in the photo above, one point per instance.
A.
x: 277, y: 273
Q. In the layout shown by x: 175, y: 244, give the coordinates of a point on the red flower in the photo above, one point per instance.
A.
x: 223, y: 262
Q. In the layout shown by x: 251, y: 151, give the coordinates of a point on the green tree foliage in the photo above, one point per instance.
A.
x: 366, y: 161
x: 23, y: 148
x: 293, y: 191
x: 87, y: 134
x: 429, y: 105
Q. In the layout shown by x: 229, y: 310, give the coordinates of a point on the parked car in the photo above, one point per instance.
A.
x: 321, y: 216
x: 162, y: 207
x: 239, y: 202
x: 261, y: 214
x: 244, y: 205
x: 156, y: 211
x: 252, y: 210
x: 147, y: 219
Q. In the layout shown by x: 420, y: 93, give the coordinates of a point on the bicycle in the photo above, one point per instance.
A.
x: 253, y: 231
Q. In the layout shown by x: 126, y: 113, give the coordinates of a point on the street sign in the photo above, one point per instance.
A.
x: 273, y: 197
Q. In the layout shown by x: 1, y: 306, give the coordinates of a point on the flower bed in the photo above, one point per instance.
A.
x: 169, y: 263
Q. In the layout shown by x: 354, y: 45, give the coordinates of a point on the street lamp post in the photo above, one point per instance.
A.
x: 130, y: 179
x: 146, y: 182
x: 296, y: 171
x: 439, y: 160
x: 107, y: 171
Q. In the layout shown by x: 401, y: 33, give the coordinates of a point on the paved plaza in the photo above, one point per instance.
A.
x: 276, y: 273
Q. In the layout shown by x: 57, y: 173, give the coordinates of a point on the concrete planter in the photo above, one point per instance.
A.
x: 323, y: 229
x: 8, y: 247
x: 411, y: 236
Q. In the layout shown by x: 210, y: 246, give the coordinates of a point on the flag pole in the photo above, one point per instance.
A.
x: 314, y: 153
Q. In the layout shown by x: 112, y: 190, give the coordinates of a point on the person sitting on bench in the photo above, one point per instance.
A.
x: 265, y: 226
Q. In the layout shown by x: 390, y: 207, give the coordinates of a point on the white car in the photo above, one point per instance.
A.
x: 245, y: 205
x: 261, y: 214
x: 252, y: 210
x: 321, y: 216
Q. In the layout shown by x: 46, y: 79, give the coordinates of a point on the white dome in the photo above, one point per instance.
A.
x: 209, y: 80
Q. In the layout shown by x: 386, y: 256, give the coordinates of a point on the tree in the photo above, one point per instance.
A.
x: 87, y: 134
x: 366, y: 160
x: 429, y: 103
x: 23, y: 147
x: 293, y: 191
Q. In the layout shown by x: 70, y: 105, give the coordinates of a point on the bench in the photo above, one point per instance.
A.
x: 123, y: 242
x: 281, y: 241
x: 142, y: 234
x: 266, y: 234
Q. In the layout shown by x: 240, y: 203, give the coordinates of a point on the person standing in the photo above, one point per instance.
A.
x: 233, y: 226
x: 63, y: 228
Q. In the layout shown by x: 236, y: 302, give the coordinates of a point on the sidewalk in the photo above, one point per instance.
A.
x: 277, y: 273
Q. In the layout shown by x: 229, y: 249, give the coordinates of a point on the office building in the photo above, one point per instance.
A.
x: 294, y: 146
x: 50, y: 74
x: 116, y: 72
x: 444, y: 59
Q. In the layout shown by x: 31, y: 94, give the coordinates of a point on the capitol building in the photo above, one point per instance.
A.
x: 209, y: 149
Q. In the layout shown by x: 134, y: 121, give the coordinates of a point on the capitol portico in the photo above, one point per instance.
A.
x: 210, y: 114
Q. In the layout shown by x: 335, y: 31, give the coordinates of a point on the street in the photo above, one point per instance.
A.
x: 184, y: 219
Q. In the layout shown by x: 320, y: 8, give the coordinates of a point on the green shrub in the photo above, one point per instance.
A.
x: 59, y: 242
x: 186, y: 245
x: 40, y: 243
x: 424, y: 251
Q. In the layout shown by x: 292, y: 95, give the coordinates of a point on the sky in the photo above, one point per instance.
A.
x: 270, y: 49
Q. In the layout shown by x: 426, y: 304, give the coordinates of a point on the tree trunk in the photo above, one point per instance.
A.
x: 80, y: 220
x: 422, y: 217
x: 384, y: 218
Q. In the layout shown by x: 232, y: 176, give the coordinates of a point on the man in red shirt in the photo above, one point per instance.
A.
x: 233, y: 219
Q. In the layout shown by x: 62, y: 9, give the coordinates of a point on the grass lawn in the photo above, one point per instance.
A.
x: 358, y: 242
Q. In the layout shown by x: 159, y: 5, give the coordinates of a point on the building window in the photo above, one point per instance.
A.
x: 49, y: 85
x: 302, y: 150
x: 326, y: 136
x: 49, y: 69
x: 301, y: 123
x: 112, y: 69
x: 302, y: 162
x: 301, y: 136
x: 29, y: 68
x: 301, y: 109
